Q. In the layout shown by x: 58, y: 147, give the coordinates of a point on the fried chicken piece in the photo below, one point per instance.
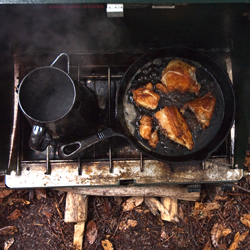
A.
x: 153, y: 141
x: 203, y: 108
x: 161, y: 87
x: 180, y: 76
x: 173, y: 125
x: 145, y: 130
x: 146, y: 97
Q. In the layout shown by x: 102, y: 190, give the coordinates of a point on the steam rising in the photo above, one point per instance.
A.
x: 71, y: 28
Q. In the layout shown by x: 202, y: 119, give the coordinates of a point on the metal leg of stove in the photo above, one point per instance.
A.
x: 48, y: 167
x: 79, y: 165
x: 141, y: 162
x: 111, y: 169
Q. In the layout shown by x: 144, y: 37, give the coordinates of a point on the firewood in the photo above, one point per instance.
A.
x: 178, y: 192
x: 76, y: 210
x: 156, y: 203
x: 171, y: 204
x: 76, y: 207
x: 78, y: 235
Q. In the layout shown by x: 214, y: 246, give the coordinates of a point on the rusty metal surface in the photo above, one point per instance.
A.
x: 65, y: 174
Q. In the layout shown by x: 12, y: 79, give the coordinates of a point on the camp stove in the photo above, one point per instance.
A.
x: 114, y: 161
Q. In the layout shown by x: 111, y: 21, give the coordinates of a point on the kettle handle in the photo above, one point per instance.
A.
x: 62, y: 54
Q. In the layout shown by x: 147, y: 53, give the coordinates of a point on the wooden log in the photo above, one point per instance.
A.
x: 171, y: 204
x: 76, y: 208
x: 179, y: 192
x: 78, y: 235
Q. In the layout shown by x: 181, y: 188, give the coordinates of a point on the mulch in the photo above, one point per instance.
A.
x: 34, y: 219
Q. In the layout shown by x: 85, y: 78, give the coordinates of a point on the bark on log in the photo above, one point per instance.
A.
x: 178, y: 192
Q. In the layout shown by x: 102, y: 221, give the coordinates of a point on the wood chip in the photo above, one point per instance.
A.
x: 245, y: 219
x: 8, y: 243
x: 238, y: 238
x: 217, y: 232
x: 171, y: 204
x: 5, y: 192
x: 8, y: 230
x: 47, y: 213
x: 132, y: 202
x: 207, y: 246
x: 152, y: 207
x: 156, y: 203
x: 107, y: 245
x: 204, y: 209
x: 14, y: 215
x: 124, y: 225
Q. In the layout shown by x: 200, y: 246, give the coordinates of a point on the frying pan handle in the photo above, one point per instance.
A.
x: 71, y: 150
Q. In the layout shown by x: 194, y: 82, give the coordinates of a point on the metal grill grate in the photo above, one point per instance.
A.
x: 114, y: 160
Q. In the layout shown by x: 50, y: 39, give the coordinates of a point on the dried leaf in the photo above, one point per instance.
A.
x: 244, y: 235
x: 124, y: 225
x: 237, y: 239
x: 5, y: 192
x: 212, y: 206
x: 40, y: 193
x: 205, y: 209
x: 8, y: 230
x: 8, y: 243
x: 132, y: 202
x: 107, y: 245
x: 91, y: 232
x: 245, y: 219
x: 12, y: 201
x: 207, y: 246
x: 14, y: 215
x: 220, y: 198
x: 217, y: 232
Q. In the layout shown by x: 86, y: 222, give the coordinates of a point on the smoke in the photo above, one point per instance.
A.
x: 60, y: 27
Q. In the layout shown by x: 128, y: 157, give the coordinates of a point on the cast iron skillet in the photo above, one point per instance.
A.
x: 148, y: 68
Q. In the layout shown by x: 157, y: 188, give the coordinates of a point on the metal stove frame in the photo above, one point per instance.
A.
x: 138, y: 170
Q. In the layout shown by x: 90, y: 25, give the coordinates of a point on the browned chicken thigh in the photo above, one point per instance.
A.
x: 145, y: 130
x: 180, y: 76
x: 173, y: 125
x: 146, y: 97
x: 203, y: 108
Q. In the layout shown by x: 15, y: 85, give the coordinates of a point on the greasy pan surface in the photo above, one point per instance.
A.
x: 211, y: 77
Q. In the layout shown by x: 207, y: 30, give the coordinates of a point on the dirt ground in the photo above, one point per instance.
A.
x: 34, y: 219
